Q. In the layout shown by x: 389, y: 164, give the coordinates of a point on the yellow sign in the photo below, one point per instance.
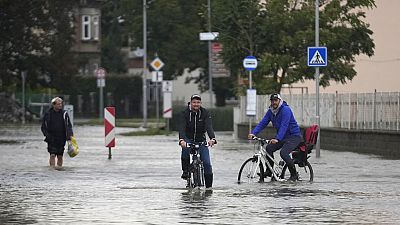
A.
x: 157, y: 64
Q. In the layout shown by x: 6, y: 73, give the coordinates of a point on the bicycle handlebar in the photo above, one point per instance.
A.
x: 261, y: 139
x: 196, y: 144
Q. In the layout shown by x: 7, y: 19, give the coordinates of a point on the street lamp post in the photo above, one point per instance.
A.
x: 144, y: 80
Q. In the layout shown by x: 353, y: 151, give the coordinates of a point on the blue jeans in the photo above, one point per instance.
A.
x: 287, y: 145
x: 204, y: 156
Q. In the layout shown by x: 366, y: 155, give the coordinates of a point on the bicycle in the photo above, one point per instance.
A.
x: 196, y: 169
x: 252, y: 170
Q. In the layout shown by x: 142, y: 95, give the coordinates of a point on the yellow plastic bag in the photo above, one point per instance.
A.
x: 73, y: 149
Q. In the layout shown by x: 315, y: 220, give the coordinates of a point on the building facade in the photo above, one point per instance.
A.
x: 87, y: 17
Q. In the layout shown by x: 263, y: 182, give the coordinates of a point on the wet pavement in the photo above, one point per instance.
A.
x: 141, y: 185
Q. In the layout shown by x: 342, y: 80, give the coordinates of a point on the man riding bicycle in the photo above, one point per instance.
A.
x: 288, y: 135
x: 196, y: 121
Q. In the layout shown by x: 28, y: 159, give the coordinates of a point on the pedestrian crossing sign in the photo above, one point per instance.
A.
x: 317, y: 56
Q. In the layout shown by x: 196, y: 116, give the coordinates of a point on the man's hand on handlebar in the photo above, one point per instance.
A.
x: 273, y: 141
x: 251, y: 136
x: 212, y: 142
x: 182, y: 143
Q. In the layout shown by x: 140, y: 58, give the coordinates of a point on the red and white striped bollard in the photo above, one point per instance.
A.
x: 109, y: 125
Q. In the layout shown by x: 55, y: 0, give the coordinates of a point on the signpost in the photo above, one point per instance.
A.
x: 23, y: 76
x: 209, y: 36
x: 101, y: 82
x: 157, y: 64
x: 317, y: 56
x: 251, y: 107
x: 250, y: 63
x: 167, y: 97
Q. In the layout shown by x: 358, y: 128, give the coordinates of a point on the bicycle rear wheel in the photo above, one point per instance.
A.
x: 250, y: 172
x: 305, y: 173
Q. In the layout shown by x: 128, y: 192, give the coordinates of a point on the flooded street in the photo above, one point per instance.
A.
x: 141, y: 185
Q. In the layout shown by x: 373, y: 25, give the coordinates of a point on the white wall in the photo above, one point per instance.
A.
x: 182, y: 91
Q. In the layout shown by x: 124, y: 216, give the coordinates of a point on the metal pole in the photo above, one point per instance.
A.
x: 250, y: 87
x: 109, y: 153
x: 167, y: 124
x: 101, y: 100
x: 318, y: 154
x: 302, y: 107
x: 157, y: 100
x: 210, y: 87
x: 144, y: 80
x: 23, y: 76
x: 398, y: 111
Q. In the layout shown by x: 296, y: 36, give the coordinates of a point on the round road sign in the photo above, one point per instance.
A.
x: 100, y: 73
x: 250, y: 63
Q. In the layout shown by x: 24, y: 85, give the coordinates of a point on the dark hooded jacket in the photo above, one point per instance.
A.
x: 195, y: 124
x: 56, y: 125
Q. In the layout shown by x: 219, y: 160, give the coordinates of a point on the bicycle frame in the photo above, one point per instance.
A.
x: 254, y: 167
x: 262, y: 156
x: 196, y: 178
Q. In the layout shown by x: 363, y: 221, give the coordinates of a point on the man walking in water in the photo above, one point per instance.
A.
x: 57, y: 128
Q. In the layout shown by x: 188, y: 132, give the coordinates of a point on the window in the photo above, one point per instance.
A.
x: 95, y: 27
x: 85, y: 27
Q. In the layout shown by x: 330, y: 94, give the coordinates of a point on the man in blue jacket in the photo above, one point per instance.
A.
x: 288, y: 135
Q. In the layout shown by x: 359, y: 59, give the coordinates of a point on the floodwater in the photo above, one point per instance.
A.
x: 141, y: 185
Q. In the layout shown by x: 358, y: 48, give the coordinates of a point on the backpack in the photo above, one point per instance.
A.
x: 310, y: 138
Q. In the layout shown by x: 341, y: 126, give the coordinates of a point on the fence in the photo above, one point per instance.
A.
x: 369, y: 111
x: 84, y: 105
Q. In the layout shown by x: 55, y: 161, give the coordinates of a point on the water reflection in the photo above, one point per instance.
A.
x: 196, y: 206
x: 142, y: 185
x: 196, y: 196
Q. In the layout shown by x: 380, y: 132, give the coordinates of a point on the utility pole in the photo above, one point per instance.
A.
x: 144, y: 76
x: 210, y: 86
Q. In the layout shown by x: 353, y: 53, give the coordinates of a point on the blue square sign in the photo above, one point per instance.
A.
x: 317, y: 56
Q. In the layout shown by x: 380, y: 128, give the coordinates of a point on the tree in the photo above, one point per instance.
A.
x: 116, y: 17
x: 284, y: 30
x: 173, y: 28
x: 239, y: 24
x: 36, y: 37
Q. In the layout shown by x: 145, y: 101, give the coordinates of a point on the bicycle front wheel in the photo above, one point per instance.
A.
x: 251, y: 172
x: 305, y: 173
x: 198, y: 176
